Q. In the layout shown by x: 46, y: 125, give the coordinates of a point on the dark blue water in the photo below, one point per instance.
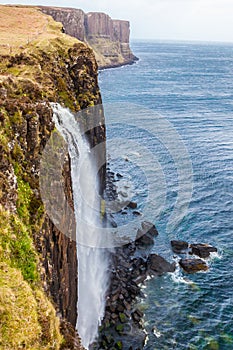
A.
x: 191, y: 86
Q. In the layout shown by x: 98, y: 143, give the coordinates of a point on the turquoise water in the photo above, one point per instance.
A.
x: 191, y: 86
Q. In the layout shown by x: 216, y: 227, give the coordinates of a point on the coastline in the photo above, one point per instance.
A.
x: 118, y: 65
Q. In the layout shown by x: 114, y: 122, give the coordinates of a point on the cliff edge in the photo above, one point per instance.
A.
x: 108, y: 38
x: 38, y: 265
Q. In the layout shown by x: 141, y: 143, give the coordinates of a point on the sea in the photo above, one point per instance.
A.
x: 173, y: 125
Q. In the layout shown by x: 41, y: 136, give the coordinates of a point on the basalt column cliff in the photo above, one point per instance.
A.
x: 108, y: 38
x: 39, y: 65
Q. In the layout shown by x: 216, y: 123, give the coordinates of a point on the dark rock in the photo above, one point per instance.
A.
x: 133, y: 289
x: 114, y: 316
x: 119, y: 175
x: 137, y: 315
x: 120, y: 308
x: 193, y: 265
x: 148, y: 227
x: 108, y: 339
x: 137, y: 213
x: 124, y: 213
x: 158, y: 265
x: 202, y: 250
x: 116, y: 290
x: 179, y: 246
x: 115, y: 297
x: 113, y: 223
x: 138, y: 262
x: 143, y: 239
x: 132, y: 205
x: 125, y: 264
x: 127, y: 305
x: 140, y: 279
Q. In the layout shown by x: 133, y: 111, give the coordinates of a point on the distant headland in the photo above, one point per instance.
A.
x: 108, y: 38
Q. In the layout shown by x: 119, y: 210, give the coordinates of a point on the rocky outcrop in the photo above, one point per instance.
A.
x: 54, y: 68
x: 193, y: 265
x: 179, y: 246
x: 72, y: 19
x: 109, y: 38
x: 202, y: 250
x: 122, y: 326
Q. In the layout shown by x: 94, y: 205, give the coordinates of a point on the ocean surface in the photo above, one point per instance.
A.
x: 190, y: 87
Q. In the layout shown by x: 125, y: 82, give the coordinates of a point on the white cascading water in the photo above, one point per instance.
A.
x: 92, y: 261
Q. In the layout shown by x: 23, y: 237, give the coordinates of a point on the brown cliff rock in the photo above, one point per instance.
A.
x: 73, y: 20
x: 108, y: 38
x: 51, y: 67
x: 98, y: 24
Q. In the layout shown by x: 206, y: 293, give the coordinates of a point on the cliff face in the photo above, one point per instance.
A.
x: 109, y: 38
x: 72, y: 20
x: 35, y: 257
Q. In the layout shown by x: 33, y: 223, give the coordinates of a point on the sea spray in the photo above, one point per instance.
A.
x: 92, y: 260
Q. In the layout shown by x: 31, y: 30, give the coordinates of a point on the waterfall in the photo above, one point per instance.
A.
x: 92, y: 260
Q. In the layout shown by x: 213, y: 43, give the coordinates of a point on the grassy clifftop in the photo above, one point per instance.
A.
x: 23, y: 28
x: 38, y: 65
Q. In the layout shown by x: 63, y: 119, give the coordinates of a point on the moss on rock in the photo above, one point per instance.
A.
x: 28, y: 319
x: 50, y: 67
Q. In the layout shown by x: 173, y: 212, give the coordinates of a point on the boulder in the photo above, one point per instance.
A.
x: 144, y: 239
x: 193, y: 265
x: 113, y: 223
x: 141, y: 278
x: 148, y: 227
x: 202, y: 250
x: 137, y: 213
x: 119, y: 175
x: 132, y: 205
x: 137, y: 315
x: 157, y: 265
x: 179, y: 246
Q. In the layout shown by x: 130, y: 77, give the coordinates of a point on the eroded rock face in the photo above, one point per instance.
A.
x: 26, y: 124
x: 109, y: 38
x: 98, y: 24
x: 72, y: 18
x: 121, y: 31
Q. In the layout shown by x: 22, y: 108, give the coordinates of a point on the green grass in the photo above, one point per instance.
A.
x: 28, y: 319
x: 16, y: 246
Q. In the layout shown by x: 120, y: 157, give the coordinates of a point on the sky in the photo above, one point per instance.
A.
x: 201, y: 20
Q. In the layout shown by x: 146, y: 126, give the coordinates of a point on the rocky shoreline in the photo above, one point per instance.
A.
x: 131, y: 266
x: 118, y: 65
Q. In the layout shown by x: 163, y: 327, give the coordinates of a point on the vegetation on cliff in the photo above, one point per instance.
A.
x: 38, y: 65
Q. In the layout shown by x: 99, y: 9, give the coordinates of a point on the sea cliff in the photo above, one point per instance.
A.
x: 108, y: 38
x: 39, y: 64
